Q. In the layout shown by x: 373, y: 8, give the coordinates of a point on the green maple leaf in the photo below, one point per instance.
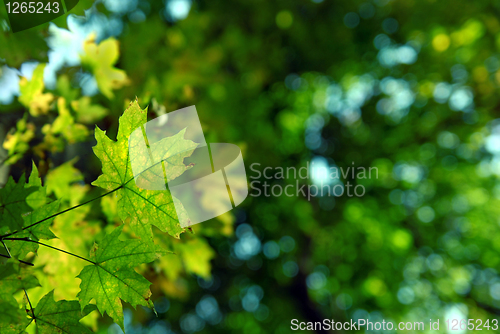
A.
x: 20, y: 248
x: 17, y: 199
x: 143, y: 207
x: 13, y: 320
x: 59, y: 317
x: 13, y: 278
x: 112, y: 277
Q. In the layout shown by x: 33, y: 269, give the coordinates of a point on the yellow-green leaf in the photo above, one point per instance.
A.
x: 112, y: 277
x: 101, y: 60
x: 143, y: 208
x: 32, y: 93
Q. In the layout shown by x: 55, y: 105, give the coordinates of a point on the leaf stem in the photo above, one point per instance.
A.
x: 31, y: 307
x: 10, y: 256
x: 60, y: 213
x: 23, y: 262
x: 27, y: 263
x: 55, y: 248
x: 8, y: 252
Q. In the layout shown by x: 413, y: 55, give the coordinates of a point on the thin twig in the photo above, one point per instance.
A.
x: 31, y: 307
x: 27, y: 263
x: 55, y: 248
x: 10, y: 256
x: 4, y: 246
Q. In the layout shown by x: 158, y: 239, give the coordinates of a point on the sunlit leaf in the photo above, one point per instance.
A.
x: 143, y: 208
x: 112, y: 278
x: 101, y: 58
x: 32, y: 93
